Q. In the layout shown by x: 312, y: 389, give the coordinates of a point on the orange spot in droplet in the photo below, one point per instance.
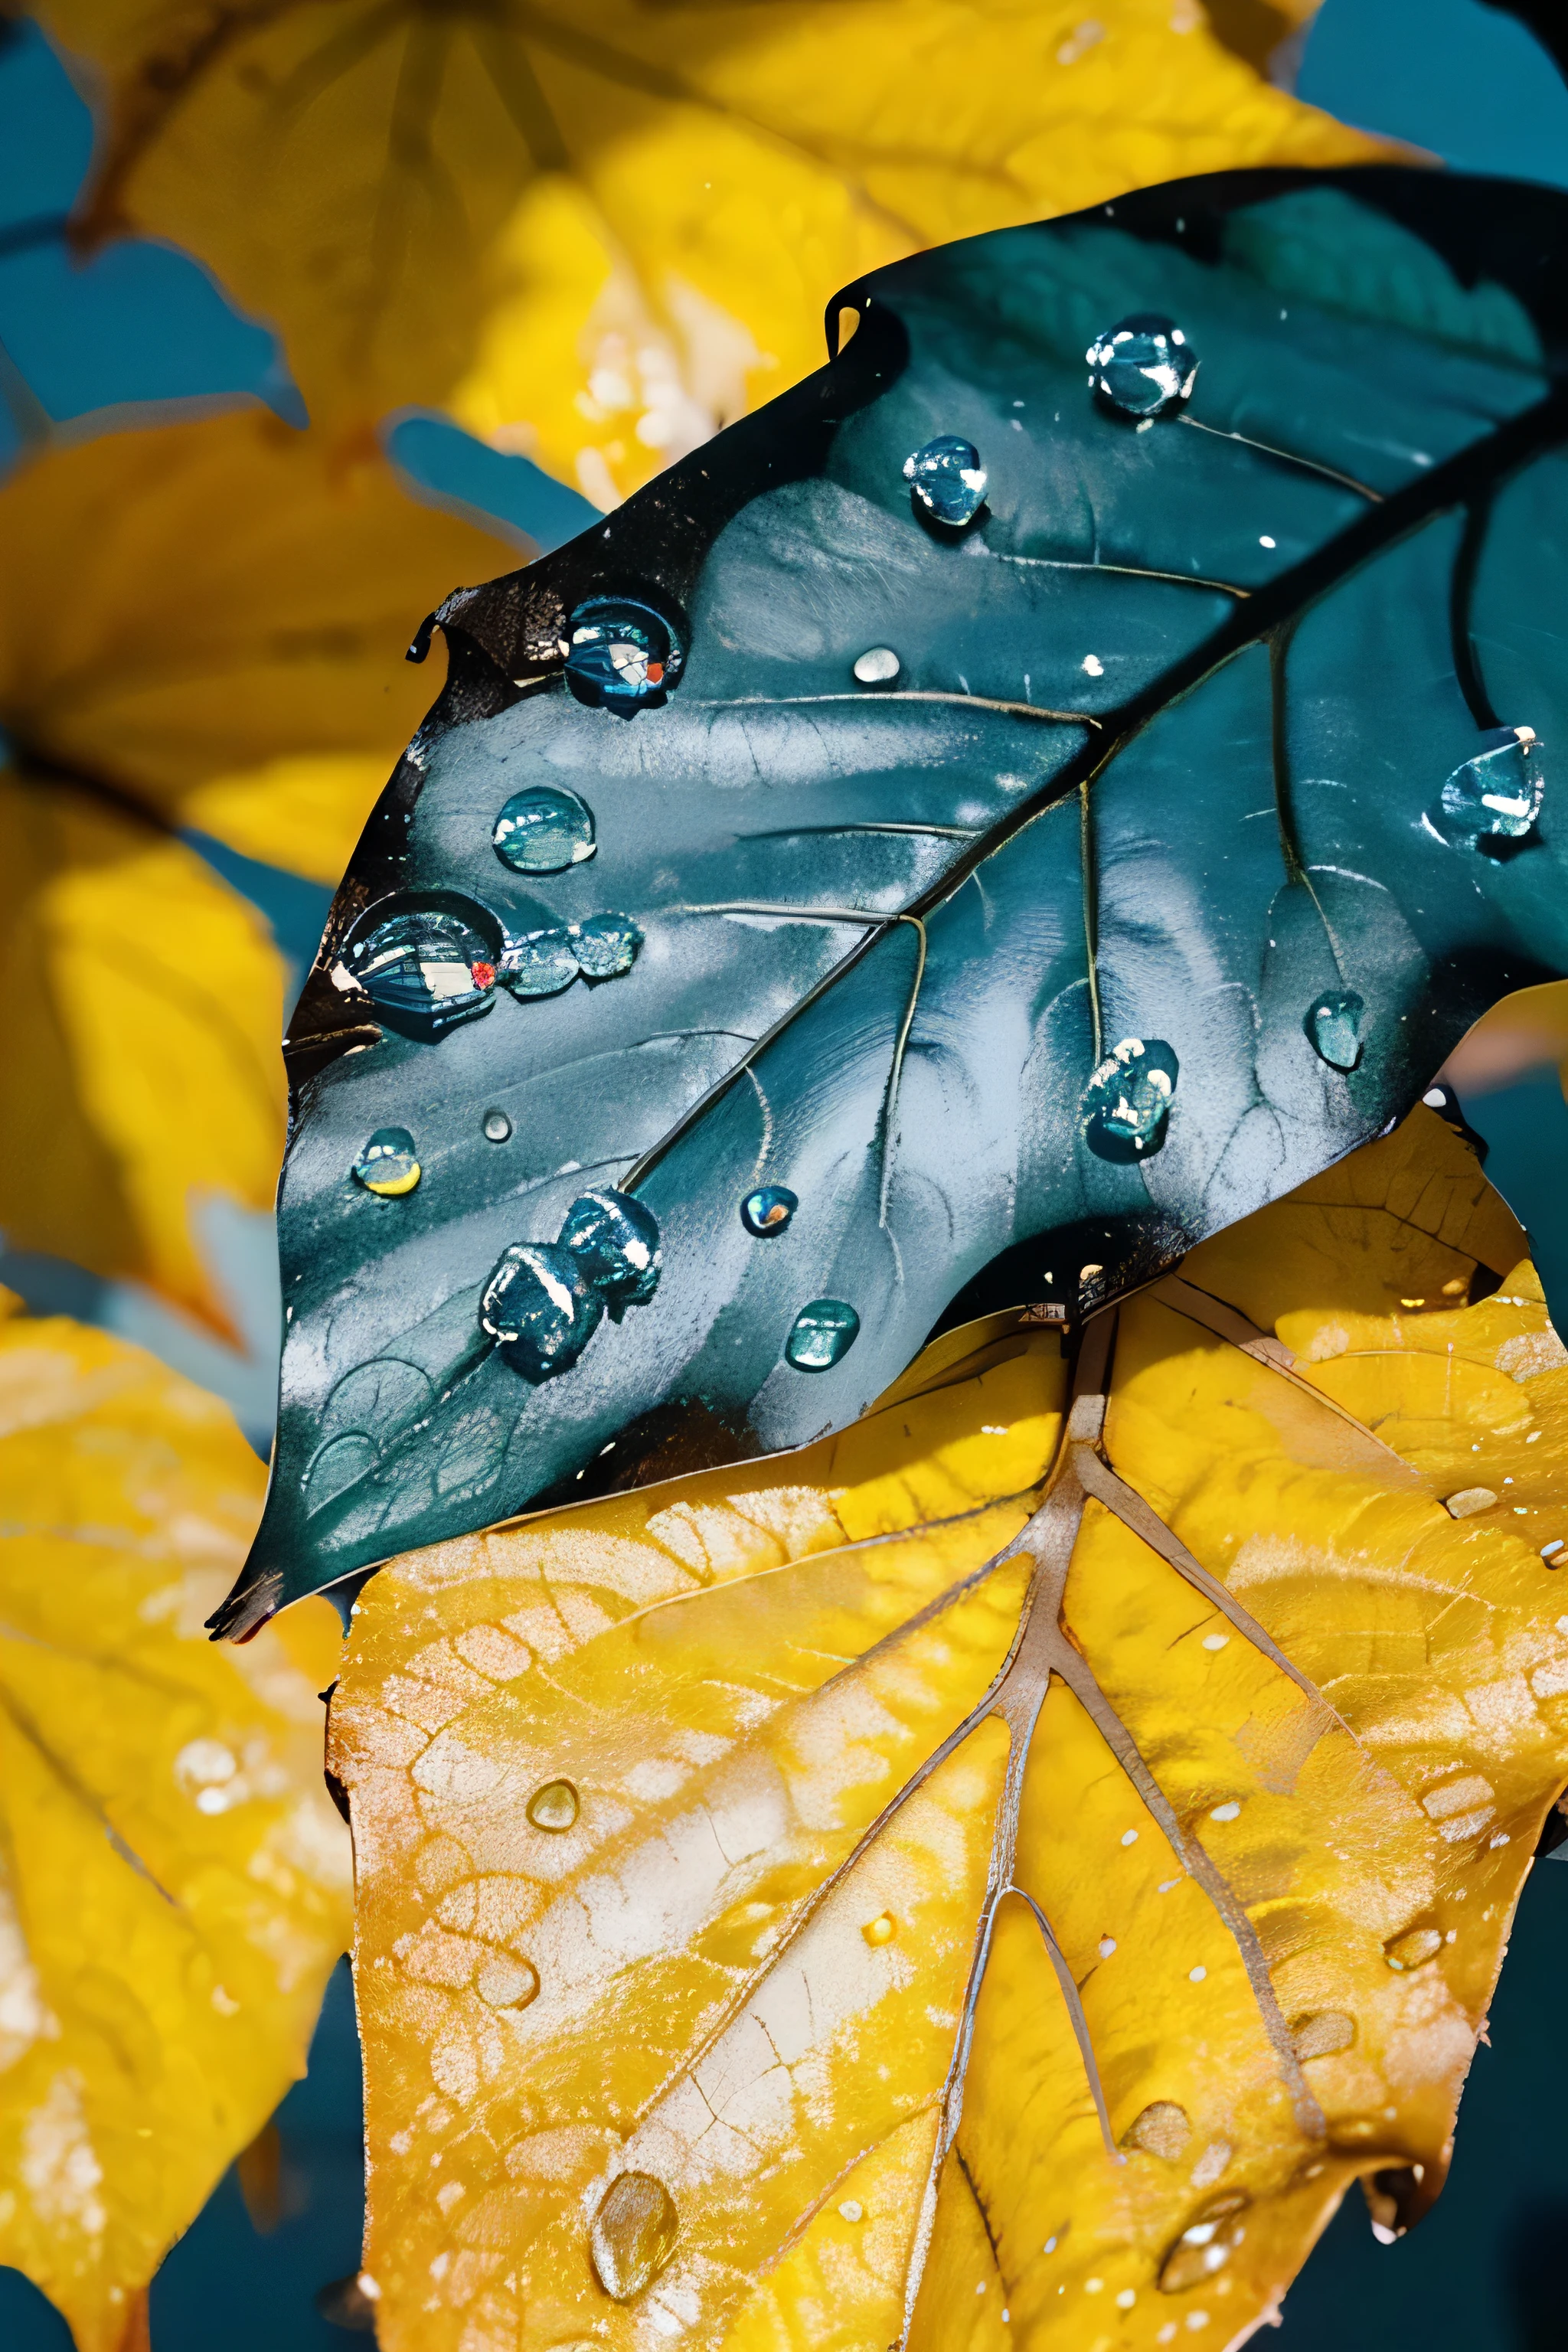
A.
x: 484, y: 975
x: 656, y: 673
x: 881, y: 1930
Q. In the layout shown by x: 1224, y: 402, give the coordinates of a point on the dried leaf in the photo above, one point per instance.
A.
x: 598, y: 238
x: 172, y: 1875
x: 776, y: 1919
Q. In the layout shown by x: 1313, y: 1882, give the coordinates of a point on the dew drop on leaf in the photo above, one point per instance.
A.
x: 1414, y: 1949
x: 1333, y: 1024
x: 543, y: 964
x: 1128, y: 1100
x: 621, y: 655
x: 543, y: 831
x: 389, y: 1164
x: 605, y: 945
x: 768, y: 1210
x: 1144, y: 366
x: 1205, y: 2245
x: 822, y: 1334
x: 947, y: 481
x: 878, y: 665
x: 1497, y: 794
x: 614, y: 1240
x: 634, y: 2234
x: 496, y: 1126
x: 426, y: 968
x: 555, y: 1807
x: 540, y: 1308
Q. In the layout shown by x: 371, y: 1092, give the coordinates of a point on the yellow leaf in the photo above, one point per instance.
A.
x: 598, y: 238
x: 994, y: 1871
x: 1518, y: 1035
x: 210, y: 619
x: 139, y: 1059
x: 173, y: 1876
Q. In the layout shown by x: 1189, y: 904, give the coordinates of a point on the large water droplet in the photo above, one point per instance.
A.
x: 537, y: 1305
x: 1414, y: 1949
x: 1128, y: 1101
x: 1163, y: 2129
x: 634, y: 2234
x: 554, y: 1807
x: 1497, y: 795
x: 947, y: 481
x: 768, y: 1210
x: 389, y: 1164
x: 543, y: 964
x: 1144, y: 366
x: 621, y: 655
x: 1205, y: 2245
x: 1333, y: 1024
x: 543, y: 831
x: 426, y: 969
x: 822, y: 1334
x: 614, y: 1240
x: 1322, y: 2033
x: 879, y: 666
x: 605, y: 945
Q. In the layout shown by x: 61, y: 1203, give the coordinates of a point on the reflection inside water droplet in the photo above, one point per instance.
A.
x: 1142, y: 367
x: 633, y: 2235
x: 1128, y: 1101
x: 498, y: 1126
x: 426, y: 969
x: 1205, y: 2245
x: 543, y: 831
x: 540, y: 1308
x: 605, y: 945
x: 614, y: 1240
x: 768, y: 1210
x: 543, y: 964
x: 389, y: 1164
x: 1333, y: 1024
x: 1497, y: 795
x: 822, y: 1334
x: 554, y: 1807
x: 621, y: 655
x: 947, y: 481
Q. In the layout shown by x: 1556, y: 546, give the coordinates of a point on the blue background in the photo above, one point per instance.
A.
x: 143, y: 332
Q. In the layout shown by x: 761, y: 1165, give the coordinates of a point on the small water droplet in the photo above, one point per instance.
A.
x: 1205, y: 2245
x: 852, y: 2209
x: 1215, y: 1641
x: 1128, y: 1101
x: 1497, y: 794
x: 1322, y: 2033
x: 1129, y: 1837
x: 768, y: 1210
x: 1162, y: 2128
x: 881, y: 1930
x: 822, y: 1334
x: 498, y: 1126
x: 506, y: 1982
x: 1333, y: 1024
x: 1265, y: 541
x: 634, y: 2234
x: 947, y: 481
x: 605, y: 945
x: 614, y: 1240
x: 541, y: 1309
x: 1107, y: 1945
x: 1126, y: 2299
x: 1469, y: 1500
x: 1226, y: 1812
x: 1094, y: 2286
x: 543, y: 831
x: 1414, y: 1949
x: 426, y: 968
x: 554, y: 1807
x: 1197, y: 1976
x: 621, y: 655
x: 1092, y: 665
x: 543, y: 964
x: 877, y: 667
x: 1142, y: 367
x: 389, y: 1164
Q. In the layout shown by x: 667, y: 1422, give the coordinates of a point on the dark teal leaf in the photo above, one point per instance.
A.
x: 1008, y: 900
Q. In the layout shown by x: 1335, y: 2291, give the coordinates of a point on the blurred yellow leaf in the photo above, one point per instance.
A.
x: 139, y: 1059
x: 904, y: 1876
x: 597, y: 236
x: 1520, y: 1034
x: 173, y: 1879
x: 210, y: 619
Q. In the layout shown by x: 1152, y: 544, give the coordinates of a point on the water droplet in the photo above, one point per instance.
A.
x: 634, y: 2234
x: 877, y: 667
x: 1322, y: 2033
x: 768, y: 1210
x: 1497, y: 794
x: 543, y: 831
x: 881, y: 1930
x: 1126, y: 2299
x: 947, y: 481
x: 1469, y: 1501
x: 1215, y: 1641
x: 1129, y: 1837
x: 1205, y: 2245
x: 621, y: 655
x: 1226, y: 1812
x: 1197, y: 1976
x: 506, y: 1982
x: 426, y: 969
x: 498, y: 1126
x: 1107, y: 1945
x: 1163, y: 2129
x: 614, y: 1240
x: 822, y: 1334
x: 1414, y: 1949
x: 543, y: 964
x: 1144, y: 366
x: 389, y: 1164
x: 540, y: 1308
x: 554, y: 1807
x: 1333, y: 1024
x: 1128, y: 1100
x: 605, y: 945
x: 852, y: 2209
